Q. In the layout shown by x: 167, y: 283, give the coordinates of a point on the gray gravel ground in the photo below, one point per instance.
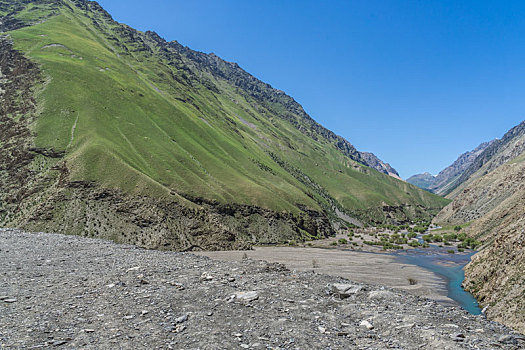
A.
x: 71, y: 292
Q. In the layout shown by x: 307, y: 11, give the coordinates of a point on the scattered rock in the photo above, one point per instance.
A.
x: 181, y: 319
x: 345, y: 290
x: 458, y: 337
x: 59, y: 342
x: 179, y: 286
x: 205, y: 276
x: 247, y: 296
x: 179, y: 328
x: 381, y: 294
x: 507, y: 339
x: 366, y: 324
x: 404, y: 326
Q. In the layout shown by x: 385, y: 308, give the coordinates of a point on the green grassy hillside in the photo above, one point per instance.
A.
x: 153, y: 121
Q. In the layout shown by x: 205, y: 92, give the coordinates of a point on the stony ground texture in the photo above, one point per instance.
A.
x: 70, y: 292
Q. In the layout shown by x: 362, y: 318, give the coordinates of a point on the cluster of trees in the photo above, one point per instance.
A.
x: 409, y: 236
x: 446, y: 238
x: 419, y: 227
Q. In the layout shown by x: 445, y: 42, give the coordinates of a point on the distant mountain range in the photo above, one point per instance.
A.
x: 448, y: 178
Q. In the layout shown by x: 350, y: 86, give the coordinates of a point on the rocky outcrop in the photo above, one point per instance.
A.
x: 182, y: 222
x: 18, y: 76
x: 372, y: 161
x: 496, y: 274
x: 12, y: 21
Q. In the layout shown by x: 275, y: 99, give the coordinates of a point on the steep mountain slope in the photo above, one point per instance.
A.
x: 448, y: 178
x: 492, y: 199
x: 123, y: 135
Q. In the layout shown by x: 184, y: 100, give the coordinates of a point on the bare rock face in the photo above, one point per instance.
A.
x: 496, y: 274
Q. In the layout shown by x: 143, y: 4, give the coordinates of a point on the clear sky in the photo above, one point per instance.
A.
x: 415, y: 82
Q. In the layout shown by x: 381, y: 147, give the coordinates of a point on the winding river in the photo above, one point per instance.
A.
x: 449, y: 266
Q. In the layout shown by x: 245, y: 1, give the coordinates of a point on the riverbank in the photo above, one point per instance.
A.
x: 361, y: 266
x: 74, y: 292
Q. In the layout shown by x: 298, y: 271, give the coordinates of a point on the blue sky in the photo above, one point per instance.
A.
x: 415, y: 82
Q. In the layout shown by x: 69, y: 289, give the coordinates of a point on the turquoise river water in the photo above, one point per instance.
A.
x: 448, y: 266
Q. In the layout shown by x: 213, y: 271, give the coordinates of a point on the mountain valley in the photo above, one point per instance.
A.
x: 109, y: 133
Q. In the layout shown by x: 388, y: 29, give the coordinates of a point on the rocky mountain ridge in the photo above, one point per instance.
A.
x: 372, y: 161
x: 448, y: 178
x: 499, y: 152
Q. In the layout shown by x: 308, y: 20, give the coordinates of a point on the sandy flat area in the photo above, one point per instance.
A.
x: 366, y: 267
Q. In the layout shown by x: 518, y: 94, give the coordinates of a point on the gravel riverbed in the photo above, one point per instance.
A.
x: 71, y: 292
